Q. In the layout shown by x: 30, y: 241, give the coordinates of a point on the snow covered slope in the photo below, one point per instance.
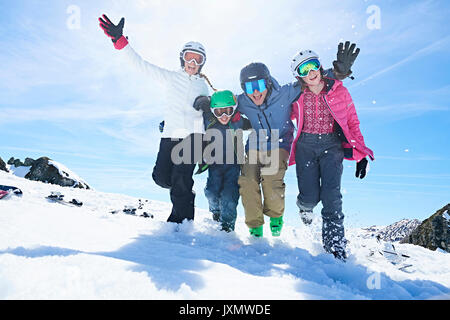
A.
x: 393, y: 232
x: 52, y: 251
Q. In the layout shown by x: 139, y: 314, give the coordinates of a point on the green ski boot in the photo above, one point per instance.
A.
x: 276, y: 224
x: 257, y: 232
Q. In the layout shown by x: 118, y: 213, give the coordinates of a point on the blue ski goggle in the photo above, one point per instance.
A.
x: 251, y: 86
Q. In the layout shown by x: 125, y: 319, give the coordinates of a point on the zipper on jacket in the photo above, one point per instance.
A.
x: 334, y: 117
x: 268, y: 124
x: 270, y: 129
x: 299, y: 130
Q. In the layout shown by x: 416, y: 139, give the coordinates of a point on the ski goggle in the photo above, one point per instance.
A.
x: 251, y: 86
x: 228, y: 111
x: 304, y: 69
x: 193, y: 56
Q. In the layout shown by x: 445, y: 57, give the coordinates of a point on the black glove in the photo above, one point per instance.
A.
x: 361, y: 167
x: 346, y: 56
x: 110, y: 29
x: 247, y: 125
x: 202, y: 103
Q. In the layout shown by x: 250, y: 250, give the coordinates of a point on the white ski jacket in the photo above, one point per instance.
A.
x: 181, y: 119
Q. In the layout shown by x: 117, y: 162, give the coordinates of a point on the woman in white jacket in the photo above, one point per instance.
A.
x: 183, y: 127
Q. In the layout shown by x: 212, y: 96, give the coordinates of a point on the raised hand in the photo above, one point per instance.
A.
x: 113, y: 31
x: 346, y: 56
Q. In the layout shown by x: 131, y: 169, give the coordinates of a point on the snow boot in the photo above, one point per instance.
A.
x: 276, y: 224
x: 216, y: 216
x: 338, y: 252
x: 257, y: 232
x: 227, y: 227
x: 306, y: 216
x: 334, y: 241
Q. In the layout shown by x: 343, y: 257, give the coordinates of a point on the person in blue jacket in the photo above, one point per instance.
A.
x: 268, y: 106
x: 223, y: 154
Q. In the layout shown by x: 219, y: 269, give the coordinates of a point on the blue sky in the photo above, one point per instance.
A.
x: 66, y: 94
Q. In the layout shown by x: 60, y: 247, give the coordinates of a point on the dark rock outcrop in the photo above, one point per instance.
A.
x: 434, y: 232
x: 48, y: 171
x: 3, y: 165
x: 15, y: 162
x: 28, y: 162
x: 43, y: 171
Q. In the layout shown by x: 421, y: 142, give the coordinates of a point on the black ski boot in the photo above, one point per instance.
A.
x: 334, y: 241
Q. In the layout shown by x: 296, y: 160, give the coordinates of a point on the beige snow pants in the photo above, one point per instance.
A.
x: 263, y: 170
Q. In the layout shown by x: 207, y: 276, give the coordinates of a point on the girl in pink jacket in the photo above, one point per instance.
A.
x: 327, y: 132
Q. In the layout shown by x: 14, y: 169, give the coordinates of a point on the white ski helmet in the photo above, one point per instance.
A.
x: 195, y: 47
x: 301, y: 57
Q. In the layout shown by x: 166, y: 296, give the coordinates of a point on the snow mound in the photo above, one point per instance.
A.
x: 53, y: 251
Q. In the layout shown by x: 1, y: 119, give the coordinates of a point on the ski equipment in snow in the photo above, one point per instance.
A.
x: 6, y: 191
x: 59, y: 198
x: 135, y: 210
x: 387, y: 251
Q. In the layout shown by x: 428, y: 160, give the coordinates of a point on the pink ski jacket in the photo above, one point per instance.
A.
x: 341, y: 105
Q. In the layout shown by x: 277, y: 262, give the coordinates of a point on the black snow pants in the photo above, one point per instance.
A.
x: 176, y: 176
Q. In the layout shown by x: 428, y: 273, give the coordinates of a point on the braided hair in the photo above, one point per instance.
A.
x: 202, y: 75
